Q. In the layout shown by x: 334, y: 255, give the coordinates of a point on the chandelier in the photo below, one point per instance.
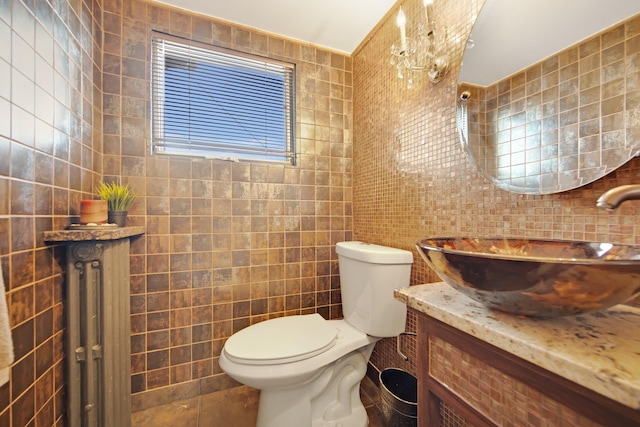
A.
x: 422, y: 52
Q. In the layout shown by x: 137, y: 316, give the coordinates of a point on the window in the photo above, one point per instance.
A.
x: 217, y: 103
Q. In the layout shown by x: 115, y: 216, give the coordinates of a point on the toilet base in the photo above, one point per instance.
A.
x: 329, y: 399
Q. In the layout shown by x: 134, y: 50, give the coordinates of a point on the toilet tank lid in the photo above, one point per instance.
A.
x: 375, y: 254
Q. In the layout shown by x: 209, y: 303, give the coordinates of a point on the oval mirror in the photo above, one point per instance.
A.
x: 549, y: 92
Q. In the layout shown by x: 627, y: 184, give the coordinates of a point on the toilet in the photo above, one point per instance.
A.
x: 308, y: 369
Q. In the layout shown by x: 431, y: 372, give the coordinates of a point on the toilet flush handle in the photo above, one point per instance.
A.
x: 413, y: 334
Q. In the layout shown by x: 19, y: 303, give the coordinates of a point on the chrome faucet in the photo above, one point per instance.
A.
x: 613, y: 198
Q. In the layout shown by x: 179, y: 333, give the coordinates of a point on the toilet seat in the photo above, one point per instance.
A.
x: 282, y: 340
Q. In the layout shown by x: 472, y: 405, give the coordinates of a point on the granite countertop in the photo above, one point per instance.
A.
x: 600, y: 351
x: 93, y: 233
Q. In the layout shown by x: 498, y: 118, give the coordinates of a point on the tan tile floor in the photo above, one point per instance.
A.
x: 235, y: 407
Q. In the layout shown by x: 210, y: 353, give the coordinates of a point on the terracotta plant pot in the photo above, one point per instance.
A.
x: 93, y: 211
x: 118, y: 217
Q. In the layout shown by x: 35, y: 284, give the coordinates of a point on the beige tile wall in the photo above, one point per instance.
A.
x: 50, y: 158
x: 412, y: 179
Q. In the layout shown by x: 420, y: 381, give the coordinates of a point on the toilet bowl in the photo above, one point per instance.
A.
x: 309, y: 369
x: 289, y: 386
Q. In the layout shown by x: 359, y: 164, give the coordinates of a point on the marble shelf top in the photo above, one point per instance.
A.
x: 97, y: 233
x: 600, y: 351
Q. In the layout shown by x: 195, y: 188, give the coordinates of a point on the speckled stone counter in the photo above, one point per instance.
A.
x: 95, y: 233
x: 600, y: 351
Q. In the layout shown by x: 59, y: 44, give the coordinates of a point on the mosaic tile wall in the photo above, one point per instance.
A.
x: 413, y: 180
x: 50, y: 145
x: 227, y: 244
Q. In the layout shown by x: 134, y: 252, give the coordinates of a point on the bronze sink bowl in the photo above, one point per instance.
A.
x: 539, y: 278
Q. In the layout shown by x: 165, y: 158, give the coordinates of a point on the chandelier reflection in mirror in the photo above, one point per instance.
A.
x: 422, y: 52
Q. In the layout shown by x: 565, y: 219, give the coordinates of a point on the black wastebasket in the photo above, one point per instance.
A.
x: 399, y: 397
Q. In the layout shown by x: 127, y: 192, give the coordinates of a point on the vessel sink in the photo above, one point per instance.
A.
x: 539, y: 278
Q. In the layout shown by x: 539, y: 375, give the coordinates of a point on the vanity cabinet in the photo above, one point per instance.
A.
x: 464, y: 381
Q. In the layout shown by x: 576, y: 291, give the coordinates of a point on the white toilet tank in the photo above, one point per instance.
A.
x: 368, y: 276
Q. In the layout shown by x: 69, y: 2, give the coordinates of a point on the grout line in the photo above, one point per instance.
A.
x: 199, y: 411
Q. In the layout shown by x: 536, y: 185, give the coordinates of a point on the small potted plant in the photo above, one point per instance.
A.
x: 119, y: 197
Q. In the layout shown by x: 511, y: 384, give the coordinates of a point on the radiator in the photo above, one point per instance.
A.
x: 98, y: 334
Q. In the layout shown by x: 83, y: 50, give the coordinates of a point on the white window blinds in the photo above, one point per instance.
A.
x: 219, y: 103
